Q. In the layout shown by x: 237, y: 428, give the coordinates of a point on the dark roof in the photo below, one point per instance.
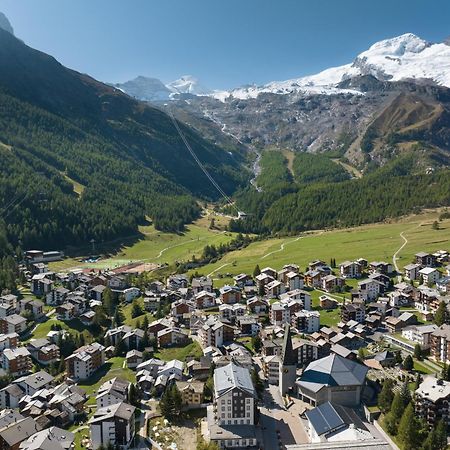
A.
x: 287, y: 353
x: 329, y: 417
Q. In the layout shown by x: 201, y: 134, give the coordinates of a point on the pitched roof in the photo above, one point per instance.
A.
x: 329, y: 417
x: 333, y: 370
x: 232, y: 376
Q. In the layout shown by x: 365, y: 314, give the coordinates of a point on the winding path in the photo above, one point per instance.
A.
x: 281, y: 247
x: 215, y: 270
x: 394, y: 257
x: 405, y: 242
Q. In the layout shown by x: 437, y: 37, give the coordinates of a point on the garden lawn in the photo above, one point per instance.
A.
x: 180, y: 353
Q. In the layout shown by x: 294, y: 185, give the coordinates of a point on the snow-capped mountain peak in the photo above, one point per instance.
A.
x: 402, y: 57
x: 188, y: 84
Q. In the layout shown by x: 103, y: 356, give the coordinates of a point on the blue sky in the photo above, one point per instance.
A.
x: 224, y: 43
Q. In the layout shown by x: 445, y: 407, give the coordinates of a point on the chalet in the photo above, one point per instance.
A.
x: 182, y: 308
x: 199, y: 369
x: 43, y: 351
x: 177, y: 281
x: 443, y: 285
x: 312, y: 278
x: 155, y: 327
x: 8, y: 340
x: 420, y: 334
x: 56, y: 296
x: 96, y: 292
x: 331, y: 283
x: 429, y: 275
x: 350, y: 269
x: 248, y: 325
x: 353, y: 311
x: 202, y: 284
x: 34, y: 307
x: 133, y: 358
x: 215, y: 333
x: 118, y: 420
x: 424, y: 259
x: 327, y: 302
x: 13, y: 324
x: 40, y: 284
x: 152, y: 303
x: 230, y: 295
x: 87, y: 318
x: 191, y: 392
x: 270, y: 272
x: 380, y: 267
x: 16, y: 361
x: 242, y: 280
x: 85, y: 361
x: 306, y: 321
x: 231, y: 312
x: 129, y: 294
x: 257, y: 305
x: 172, y: 336
x: 294, y: 280
x: 66, y: 312
x: 412, y: 271
x: 262, y: 280
x: 369, y: 289
x: 297, y: 295
x: 204, y: 299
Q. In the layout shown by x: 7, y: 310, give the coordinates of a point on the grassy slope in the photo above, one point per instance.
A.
x: 373, y: 242
x: 156, y: 247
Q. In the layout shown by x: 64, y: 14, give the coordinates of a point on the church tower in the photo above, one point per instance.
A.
x: 288, y: 363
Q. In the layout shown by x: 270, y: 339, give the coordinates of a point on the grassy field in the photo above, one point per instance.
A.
x: 373, y: 242
x: 157, y: 247
x: 180, y: 353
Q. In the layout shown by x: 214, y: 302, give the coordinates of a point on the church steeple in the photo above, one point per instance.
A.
x: 288, y: 357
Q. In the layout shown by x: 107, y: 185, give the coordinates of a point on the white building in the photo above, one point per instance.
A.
x: 429, y: 275
x: 420, y: 334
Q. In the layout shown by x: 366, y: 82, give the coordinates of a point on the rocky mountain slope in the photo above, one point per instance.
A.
x: 401, y: 82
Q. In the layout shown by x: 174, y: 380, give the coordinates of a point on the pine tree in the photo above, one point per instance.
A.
x: 408, y: 363
x: 256, y: 271
x: 386, y: 396
x: 256, y: 343
x: 430, y: 442
x: 120, y: 348
x: 417, y: 382
x: 145, y: 323
x: 441, y: 314
x: 119, y: 318
x: 405, y: 394
x: 441, y: 435
x: 418, y: 352
x: 133, y: 396
x: 397, y: 409
x: 390, y: 423
x: 136, y: 309
x: 408, y: 429
x: 108, y: 301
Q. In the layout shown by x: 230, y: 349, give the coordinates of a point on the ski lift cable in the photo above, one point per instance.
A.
x: 202, y: 167
x: 10, y: 204
x: 15, y: 206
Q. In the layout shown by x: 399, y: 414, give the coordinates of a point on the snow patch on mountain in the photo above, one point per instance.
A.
x: 187, y: 84
x: 145, y: 88
x: 403, y: 57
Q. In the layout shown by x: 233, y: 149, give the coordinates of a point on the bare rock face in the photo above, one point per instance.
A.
x: 5, y: 24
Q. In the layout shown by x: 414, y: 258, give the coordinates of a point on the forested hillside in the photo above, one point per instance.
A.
x: 81, y: 160
x: 396, y: 189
